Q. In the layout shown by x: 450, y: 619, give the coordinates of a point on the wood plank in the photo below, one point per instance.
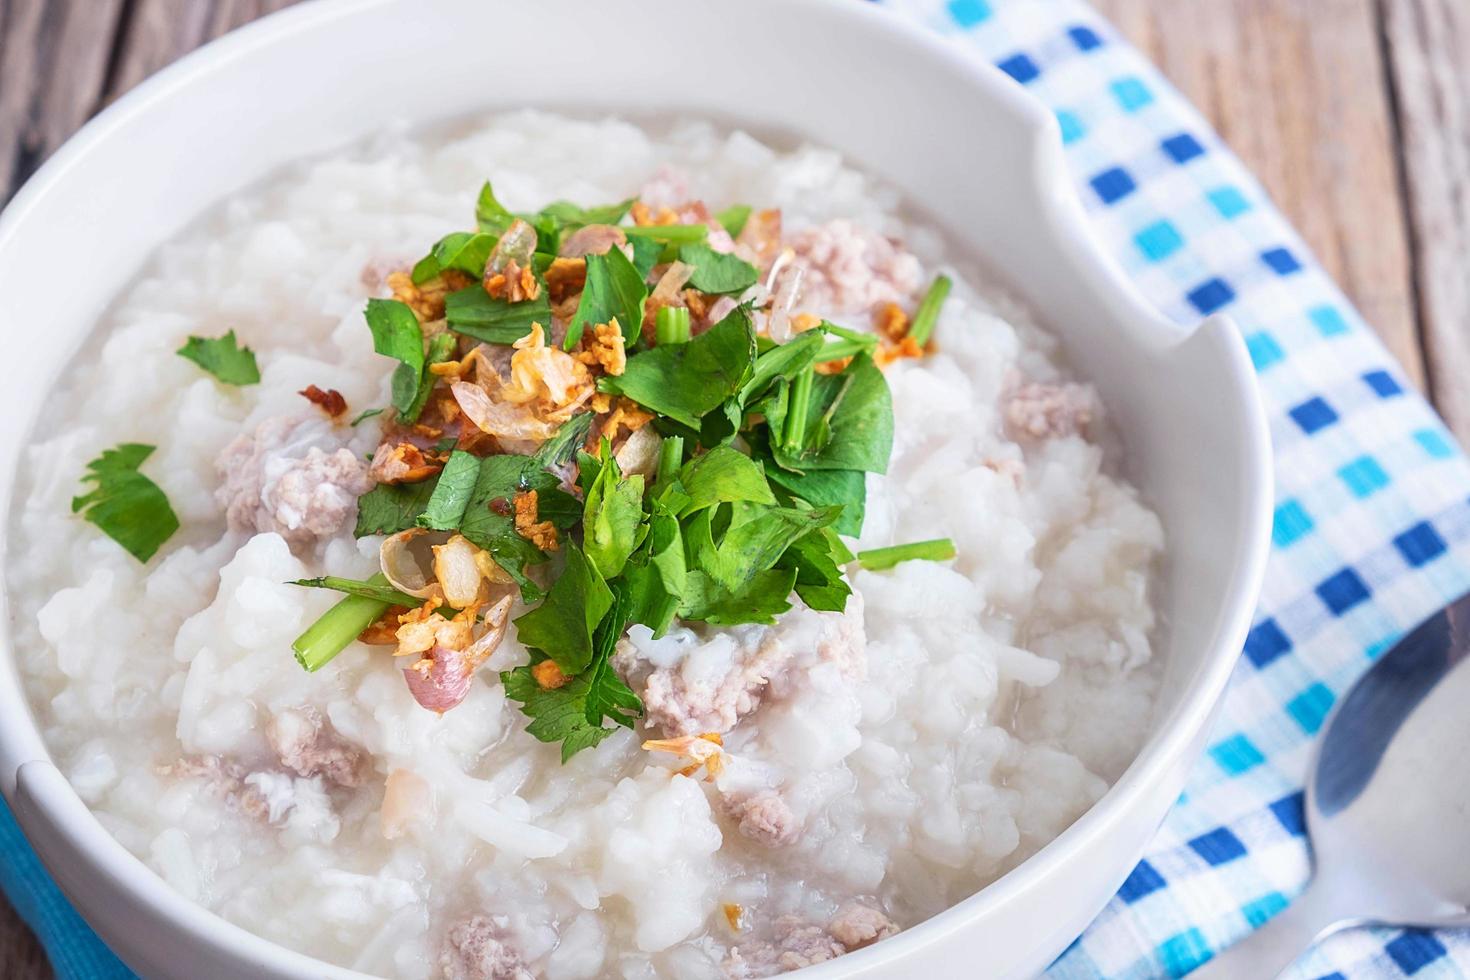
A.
x: 53, y: 68
x: 1429, y: 50
x: 161, y: 31
x: 1298, y: 90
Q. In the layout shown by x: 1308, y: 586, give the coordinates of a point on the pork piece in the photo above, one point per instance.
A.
x: 226, y: 780
x: 857, y: 925
x: 697, y: 682
x: 1036, y: 410
x: 477, y: 949
x: 291, y: 476
x: 308, y: 746
x: 763, y: 817
x: 851, y: 269
x: 795, y: 944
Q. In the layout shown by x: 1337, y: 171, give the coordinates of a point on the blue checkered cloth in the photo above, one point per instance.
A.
x: 1372, y: 530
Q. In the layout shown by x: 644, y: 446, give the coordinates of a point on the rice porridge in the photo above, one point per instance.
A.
x: 748, y: 780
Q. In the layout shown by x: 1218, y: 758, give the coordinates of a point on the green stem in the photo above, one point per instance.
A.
x: 685, y: 234
x: 877, y: 559
x: 927, y: 315
x: 796, y: 409
x: 670, y: 458
x: 671, y: 325
x: 337, y: 627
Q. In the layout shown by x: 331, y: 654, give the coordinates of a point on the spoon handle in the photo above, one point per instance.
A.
x: 1265, y: 953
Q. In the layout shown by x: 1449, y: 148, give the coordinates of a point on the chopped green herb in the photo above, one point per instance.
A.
x: 451, y: 495
x: 671, y: 325
x: 564, y: 443
x: 490, y: 214
x: 339, y: 626
x: 927, y: 314
x: 614, y: 290
x: 723, y: 476
x: 734, y: 218
x: 613, y: 515
x: 474, y: 313
x: 375, y: 588
x: 223, y: 358
x: 646, y: 254
x: 396, y: 334
x: 124, y: 504
x: 848, y: 423
x: 441, y: 349
x: 363, y: 416
x: 677, y: 234
x: 464, y: 251
x: 489, y: 520
x: 878, y: 559
x: 717, y: 272
x: 562, y: 627
x: 685, y: 381
x: 390, y: 508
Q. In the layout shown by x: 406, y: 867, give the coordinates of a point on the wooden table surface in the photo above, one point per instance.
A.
x: 1355, y: 114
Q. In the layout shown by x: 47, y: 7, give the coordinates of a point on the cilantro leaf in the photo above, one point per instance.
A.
x: 490, y: 215
x: 375, y: 590
x: 223, y: 358
x: 364, y: 415
x: 613, y: 516
x: 396, y: 334
x: 565, y: 442
x: 563, y: 625
x: 822, y: 487
x: 848, y: 423
x: 756, y: 540
x: 688, y: 380
x: 557, y: 714
x: 489, y: 520
x: 763, y: 598
x: 717, y: 272
x: 734, y: 218
x: 465, y: 251
x: 819, y: 579
x: 474, y: 313
x: 389, y: 508
x: 124, y: 504
x: 614, y: 289
x: 646, y: 252
x: 723, y: 475
x: 441, y: 348
x: 446, y: 506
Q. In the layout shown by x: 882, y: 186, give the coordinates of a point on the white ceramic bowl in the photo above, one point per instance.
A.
x: 964, y: 143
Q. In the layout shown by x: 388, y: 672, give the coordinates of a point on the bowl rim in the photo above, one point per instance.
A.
x: 1063, y: 217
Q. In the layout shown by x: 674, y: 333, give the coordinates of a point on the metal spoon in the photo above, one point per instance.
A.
x: 1388, y: 804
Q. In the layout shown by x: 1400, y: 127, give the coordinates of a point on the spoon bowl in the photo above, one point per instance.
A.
x: 1387, y: 804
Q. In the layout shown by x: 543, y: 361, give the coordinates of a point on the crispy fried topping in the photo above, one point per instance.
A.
x: 546, y: 374
x: 513, y: 285
x: 704, y: 752
x: 384, y: 630
x: 803, y: 322
x: 604, y: 348
x: 886, y: 354
x: 548, y: 675
x: 698, y: 303
x: 540, y: 533
x: 329, y: 401
x: 891, y: 321
x: 403, y: 463
x: 426, y: 299
x: 643, y: 217
x: 422, y: 629
x: 565, y: 278
x: 833, y: 367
